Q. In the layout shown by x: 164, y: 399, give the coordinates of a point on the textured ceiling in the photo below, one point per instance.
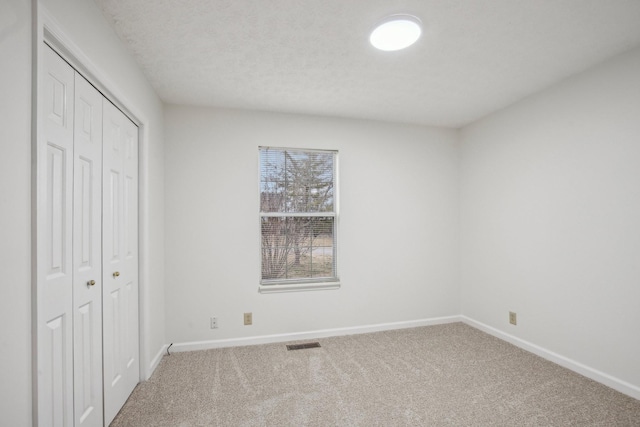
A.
x: 313, y: 56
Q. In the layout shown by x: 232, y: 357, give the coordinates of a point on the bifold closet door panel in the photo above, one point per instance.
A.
x: 54, y: 242
x: 120, y: 258
x: 87, y: 255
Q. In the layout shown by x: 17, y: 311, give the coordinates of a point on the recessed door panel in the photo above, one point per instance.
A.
x: 115, y: 214
x: 57, y: 211
x: 57, y: 92
x: 85, y: 357
x: 86, y: 214
x: 56, y: 376
x: 130, y: 217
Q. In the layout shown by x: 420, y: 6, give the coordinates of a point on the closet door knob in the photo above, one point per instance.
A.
x: 91, y: 282
x: 116, y: 274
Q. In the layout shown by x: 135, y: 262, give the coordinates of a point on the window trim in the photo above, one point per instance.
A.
x: 298, y: 287
x: 310, y: 284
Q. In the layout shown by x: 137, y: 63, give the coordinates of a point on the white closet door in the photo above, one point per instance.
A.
x: 120, y: 259
x: 87, y: 255
x: 54, y: 244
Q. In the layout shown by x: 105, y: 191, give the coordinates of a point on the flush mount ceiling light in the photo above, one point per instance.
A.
x: 396, y: 32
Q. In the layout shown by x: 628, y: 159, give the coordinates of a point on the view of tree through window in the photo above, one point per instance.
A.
x: 297, y: 210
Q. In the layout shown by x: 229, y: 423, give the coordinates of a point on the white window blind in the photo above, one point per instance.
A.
x: 298, y: 216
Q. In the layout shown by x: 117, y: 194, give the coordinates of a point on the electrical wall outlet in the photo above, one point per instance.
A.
x: 513, y: 318
x: 248, y: 319
x: 214, y: 323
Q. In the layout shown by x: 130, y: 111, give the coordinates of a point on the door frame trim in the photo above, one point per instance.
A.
x: 47, y: 30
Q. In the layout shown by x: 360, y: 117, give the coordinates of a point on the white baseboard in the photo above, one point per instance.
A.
x: 156, y: 360
x: 601, y: 377
x: 268, y: 339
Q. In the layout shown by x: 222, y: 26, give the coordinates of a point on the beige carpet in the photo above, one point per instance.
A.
x: 446, y: 375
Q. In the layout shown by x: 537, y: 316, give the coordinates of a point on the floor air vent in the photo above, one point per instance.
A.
x: 303, y: 346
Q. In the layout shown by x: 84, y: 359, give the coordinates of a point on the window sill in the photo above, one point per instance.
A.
x: 299, y: 287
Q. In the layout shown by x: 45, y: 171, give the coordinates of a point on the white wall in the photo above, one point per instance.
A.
x: 15, y: 213
x: 82, y: 22
x: 550, y: 214
x: 397, y: 235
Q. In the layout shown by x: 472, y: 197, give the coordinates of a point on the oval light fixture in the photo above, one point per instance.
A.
x: 396, y: 32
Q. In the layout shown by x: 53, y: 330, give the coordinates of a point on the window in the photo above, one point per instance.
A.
x: 298, y: 218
